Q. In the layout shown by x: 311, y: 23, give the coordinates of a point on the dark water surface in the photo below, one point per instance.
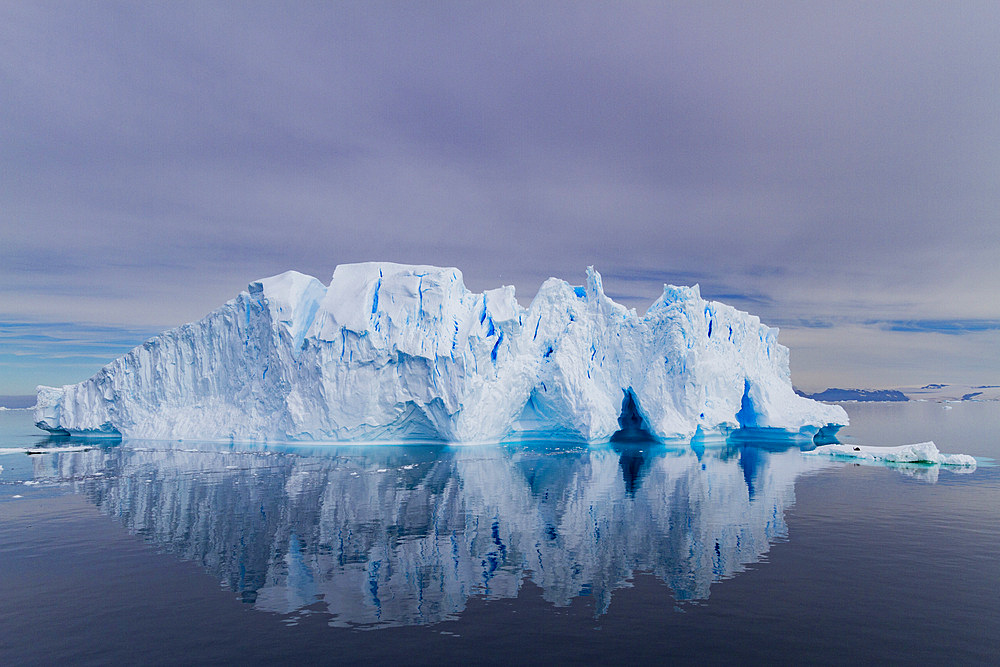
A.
x: 739, y: 548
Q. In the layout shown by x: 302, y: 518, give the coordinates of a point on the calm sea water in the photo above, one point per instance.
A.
x: 739, y: 548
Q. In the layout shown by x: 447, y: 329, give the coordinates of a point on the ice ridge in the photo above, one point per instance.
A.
x: 395, y: 352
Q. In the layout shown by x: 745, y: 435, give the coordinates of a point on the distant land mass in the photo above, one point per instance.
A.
x: 834, y: 394
x: 927, y: 392
x: 16, y: 402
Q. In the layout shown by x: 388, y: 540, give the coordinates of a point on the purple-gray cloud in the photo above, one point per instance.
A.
x: 813, y: 163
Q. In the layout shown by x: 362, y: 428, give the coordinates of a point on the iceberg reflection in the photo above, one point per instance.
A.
x: 385, y: 535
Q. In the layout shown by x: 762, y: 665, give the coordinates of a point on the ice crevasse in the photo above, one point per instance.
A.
x: 395, y: 352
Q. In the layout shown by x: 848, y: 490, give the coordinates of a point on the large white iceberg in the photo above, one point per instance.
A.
x: 391, y: 351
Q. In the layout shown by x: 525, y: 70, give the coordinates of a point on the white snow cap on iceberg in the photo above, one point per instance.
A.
x: 393, y: 351
x: 921, y: 452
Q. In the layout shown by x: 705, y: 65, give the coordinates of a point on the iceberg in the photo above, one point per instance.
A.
x: 921, y: 452
x: 401, y: 352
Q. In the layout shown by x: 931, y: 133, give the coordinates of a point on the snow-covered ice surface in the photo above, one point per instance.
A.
x: 922, y: 452
x: 399, y: 352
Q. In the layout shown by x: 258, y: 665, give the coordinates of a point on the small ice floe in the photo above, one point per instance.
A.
x: 57, y: 450
x: 921, y: 452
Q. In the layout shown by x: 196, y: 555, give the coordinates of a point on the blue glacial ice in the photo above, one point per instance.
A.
x: 398, y: 352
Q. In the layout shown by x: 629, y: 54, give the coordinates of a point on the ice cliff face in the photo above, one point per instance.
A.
x: 391, y: 351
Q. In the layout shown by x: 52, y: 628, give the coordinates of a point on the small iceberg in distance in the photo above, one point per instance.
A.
x: 57, y: 450
x: 921, y: 452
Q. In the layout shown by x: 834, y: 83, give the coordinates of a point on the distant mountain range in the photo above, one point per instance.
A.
x: 16, y: 402
x: 835, y: 394
x: 928, y: 392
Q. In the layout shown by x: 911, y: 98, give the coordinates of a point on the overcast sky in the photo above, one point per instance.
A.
x: 832, y: 167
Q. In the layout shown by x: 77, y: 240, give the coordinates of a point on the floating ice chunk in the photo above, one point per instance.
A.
x: 921, y: 452
x: 57, y: 450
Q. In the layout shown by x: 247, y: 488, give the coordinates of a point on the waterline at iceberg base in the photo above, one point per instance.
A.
x: 398, y: 352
